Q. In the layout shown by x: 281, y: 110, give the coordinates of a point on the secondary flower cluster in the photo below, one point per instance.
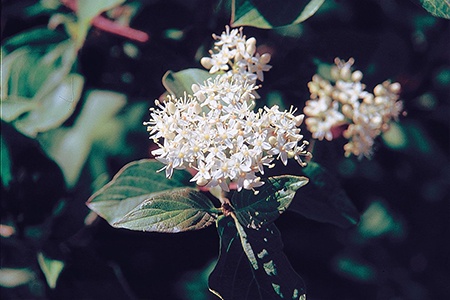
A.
x: 346, y: 103
x: 216, y: 132
x: 235, y: 54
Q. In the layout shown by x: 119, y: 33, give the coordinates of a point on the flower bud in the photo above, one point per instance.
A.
x: 357, y: 76
x: 206, y: 62
x: 395, y: 87
x: 250, y: 46
x: 265, y: 58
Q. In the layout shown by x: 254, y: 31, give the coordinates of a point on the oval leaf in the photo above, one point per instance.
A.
x: 139, y: 198
x: 273, y: 198
x: 270, y: 14
x: 270, y: 276
x: 172, y: 211
x: 178, y: 83
x: 324, y: 199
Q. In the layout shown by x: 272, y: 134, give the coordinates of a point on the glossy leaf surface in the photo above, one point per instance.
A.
x: 272, y: 199
x: 270, y: 276
x: 139, y: 198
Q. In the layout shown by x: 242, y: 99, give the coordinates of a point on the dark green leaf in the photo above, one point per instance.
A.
x: 6, y: 173
x: 270, y: 14
x: 140, y: 198
x: 272, y: 199
x: 173, y: 211
x: 178, y: 83
x: 438, y: 8
x: 324, y: 199
x: 33, y: 38
x: 271, y: 276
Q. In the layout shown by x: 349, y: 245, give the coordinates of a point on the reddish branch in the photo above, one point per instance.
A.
x: 108, y: 25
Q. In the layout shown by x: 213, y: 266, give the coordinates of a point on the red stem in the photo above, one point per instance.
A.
x: 108, y: 25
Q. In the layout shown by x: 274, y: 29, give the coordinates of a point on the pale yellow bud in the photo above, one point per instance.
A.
x: 357, y: 76
x: 265, y: 58
x: 206, y: 62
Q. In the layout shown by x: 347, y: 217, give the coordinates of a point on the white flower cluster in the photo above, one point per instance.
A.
x: 216, y: 132
x: 346, y: 103
x: 237, y: 56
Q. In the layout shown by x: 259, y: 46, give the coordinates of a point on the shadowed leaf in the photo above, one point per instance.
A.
x: 324, y: 199
x: 269, y: 276
x: 51, y: 269
x: 272, y: 199
x: 270, y: 14
x: 177, y: 83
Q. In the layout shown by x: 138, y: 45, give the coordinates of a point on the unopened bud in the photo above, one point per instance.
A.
x: 357, y: 76
x: 265, y: 58
x: 206, y: 62
x: 395, y: 87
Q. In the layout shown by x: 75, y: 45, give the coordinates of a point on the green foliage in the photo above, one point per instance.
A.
x: 6, y: 173
x: 51, y: 268
x: 39, y: 92
x: 324, y: 199
x: 270, y: 14
x: 179, y: 83
x: 272, y: 199
x: 268, y: 275
x: 70, y: 147
x: 438, y: 8
x: 139, y: 198
x: 87, y: 11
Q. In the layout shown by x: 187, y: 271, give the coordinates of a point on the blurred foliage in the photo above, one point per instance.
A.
x: 74, y: 99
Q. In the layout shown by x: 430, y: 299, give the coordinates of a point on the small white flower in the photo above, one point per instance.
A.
x: 217, y: 133
x: 347, y: 102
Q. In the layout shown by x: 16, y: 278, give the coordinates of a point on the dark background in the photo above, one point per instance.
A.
x: 395, y: 40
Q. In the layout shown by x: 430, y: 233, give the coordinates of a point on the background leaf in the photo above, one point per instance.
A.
x: 438, y: 8
x: 324, y: 199
x: 140, y: 198
x: 272, y: 277
x: 5, y: 167
x: 272, y: 199
x: 270, y: 14
x: 70, y: 147
x: 177, y: 83
x: 51, y: 269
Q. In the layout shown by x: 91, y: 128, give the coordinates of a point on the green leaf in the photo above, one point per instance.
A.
x: 270, y: 276
x: 51, y: 269
x: 438, y: 8
x: 324, y: 199
x: 273, y: 198
x: 38, y: 93
x: 54, y: 108
x: 87, y: 11
x: 269, y: 14
x: 6, y: 172
x: 178, y: 83
x: 70, y: 147
x: 171, y: 211
x: 140, y: 198
x: 34, y: 38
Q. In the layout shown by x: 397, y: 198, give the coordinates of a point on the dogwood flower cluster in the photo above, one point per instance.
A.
x: 235, y: 54
x: 216, y: 132
x: 346, y: 103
